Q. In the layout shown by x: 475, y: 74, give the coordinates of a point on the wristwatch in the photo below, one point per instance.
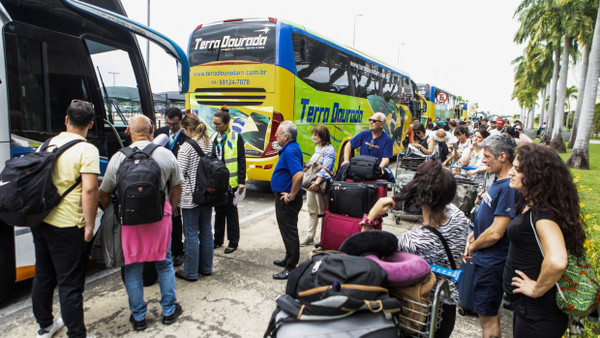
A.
x: 288, y: 197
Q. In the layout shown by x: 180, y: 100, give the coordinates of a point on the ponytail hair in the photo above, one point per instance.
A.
x: 192, y: 122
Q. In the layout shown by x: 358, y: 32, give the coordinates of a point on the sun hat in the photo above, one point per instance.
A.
x: 440, y: 135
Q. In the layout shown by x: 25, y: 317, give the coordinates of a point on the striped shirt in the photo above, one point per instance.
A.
x: 188, y: 160
x: 424, y: 243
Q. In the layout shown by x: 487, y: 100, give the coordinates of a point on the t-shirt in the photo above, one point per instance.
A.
x: 426, y: 244
x: 82, y: 158
x: 380, y: 147
x: 524, y: 254
x: 498, y: 200
x: 290, y: 162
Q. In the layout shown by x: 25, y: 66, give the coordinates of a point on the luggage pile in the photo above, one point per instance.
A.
x: 367, y: 289
x: 350, y: 199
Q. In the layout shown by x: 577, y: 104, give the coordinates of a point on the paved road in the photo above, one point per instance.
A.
x: 236, y: 301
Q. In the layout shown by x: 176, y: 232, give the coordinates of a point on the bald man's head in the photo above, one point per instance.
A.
x: 140, y: 128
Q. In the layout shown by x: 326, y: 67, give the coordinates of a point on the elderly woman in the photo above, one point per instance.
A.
x: 549, y: 204
x: 432, y: 189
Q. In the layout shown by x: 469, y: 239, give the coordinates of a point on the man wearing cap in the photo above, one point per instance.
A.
x: 498, y: 129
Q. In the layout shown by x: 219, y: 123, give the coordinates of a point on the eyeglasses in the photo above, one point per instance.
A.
x: 374, y: 120
x: 174, y: 124
x: 518, y: 129
x: 216, y: 124
x: 82, y: 101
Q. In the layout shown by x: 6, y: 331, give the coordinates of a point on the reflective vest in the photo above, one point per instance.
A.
x: 228, y: 152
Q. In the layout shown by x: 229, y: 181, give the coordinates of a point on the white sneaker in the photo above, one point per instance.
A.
x: 308, y: 240
x: 51, y: 330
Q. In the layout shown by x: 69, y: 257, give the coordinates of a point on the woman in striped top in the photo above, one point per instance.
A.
x: 196, y: 219
x: 432, y: 189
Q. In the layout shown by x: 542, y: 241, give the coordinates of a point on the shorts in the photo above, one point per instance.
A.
x: 487, y: 289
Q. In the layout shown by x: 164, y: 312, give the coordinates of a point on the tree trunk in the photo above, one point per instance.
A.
x: 584, y: 67
x: 552, y: 104
x: 531, y: 118
x: 557, y: 142
x: 580, y: 156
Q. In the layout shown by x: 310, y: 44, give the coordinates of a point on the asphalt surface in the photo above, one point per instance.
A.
x: 237, y: 300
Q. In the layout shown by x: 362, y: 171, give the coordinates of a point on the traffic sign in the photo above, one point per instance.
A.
x: 441, y: 97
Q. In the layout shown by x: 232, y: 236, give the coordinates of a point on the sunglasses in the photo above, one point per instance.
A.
x: 83, y: 102
x: 374, y: 120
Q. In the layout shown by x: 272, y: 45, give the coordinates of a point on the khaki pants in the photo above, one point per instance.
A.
x: 315, y: 203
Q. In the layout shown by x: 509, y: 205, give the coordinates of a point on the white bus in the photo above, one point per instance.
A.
x: 54, y: 51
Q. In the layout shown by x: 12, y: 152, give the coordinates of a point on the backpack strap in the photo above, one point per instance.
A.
x: 151, y: 147
x: 196, y: 146
x: 446, y: 247
x: 58, y: 151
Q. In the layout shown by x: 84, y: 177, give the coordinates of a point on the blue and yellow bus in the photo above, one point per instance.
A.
x: 269, y: 70
x: 441, y: 103
x: 53, y: 51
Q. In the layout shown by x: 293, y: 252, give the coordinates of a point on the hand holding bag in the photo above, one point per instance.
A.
x: 577, y: 291
x: 310, y: 175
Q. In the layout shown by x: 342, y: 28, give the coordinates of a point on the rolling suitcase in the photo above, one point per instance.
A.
x: 351, y: 198
x: 465, y: 290
x: 382, y: 187
x: 335, y: 229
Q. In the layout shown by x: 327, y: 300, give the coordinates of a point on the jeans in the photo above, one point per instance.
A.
x: 60, y: 257
x: 227, y: 212
x: 134, y: 284
x: 198, y: 258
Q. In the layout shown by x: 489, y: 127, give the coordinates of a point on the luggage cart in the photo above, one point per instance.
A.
x: 423, y: 319
x: 406, y: 166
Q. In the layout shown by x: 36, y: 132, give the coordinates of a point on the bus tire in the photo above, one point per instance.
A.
x: 7, y: 260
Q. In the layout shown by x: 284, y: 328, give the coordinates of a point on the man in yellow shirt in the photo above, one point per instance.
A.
x: 60, y: 241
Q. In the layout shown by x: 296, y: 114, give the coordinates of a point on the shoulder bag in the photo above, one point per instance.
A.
x: 577, y: 291
x: 310, y: 175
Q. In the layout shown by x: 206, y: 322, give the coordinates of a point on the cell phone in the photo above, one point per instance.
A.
x: 456, y: 143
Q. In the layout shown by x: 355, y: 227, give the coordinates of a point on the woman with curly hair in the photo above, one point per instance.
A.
x: 548, y: 200
x: 432, y: 189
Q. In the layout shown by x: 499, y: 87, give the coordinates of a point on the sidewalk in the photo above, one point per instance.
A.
x: 236, y: 301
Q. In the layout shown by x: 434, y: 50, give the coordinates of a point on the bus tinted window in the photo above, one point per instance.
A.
x: 321, y: 66
x: 243, y: 41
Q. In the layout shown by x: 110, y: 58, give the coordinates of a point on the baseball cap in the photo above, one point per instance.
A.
x: 500, y: 122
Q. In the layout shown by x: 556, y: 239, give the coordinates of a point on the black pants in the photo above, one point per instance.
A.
x: 287, y: 219
x: 60, y: 257
x: 533, y: 318
x: 227, y: 212
x: 177, y: 233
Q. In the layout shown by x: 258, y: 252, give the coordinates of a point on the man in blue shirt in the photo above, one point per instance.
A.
x: 488, y: 244
x: 286, y: 183
x: 373, y: 142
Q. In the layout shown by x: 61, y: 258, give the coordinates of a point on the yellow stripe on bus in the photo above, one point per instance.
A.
x: 25, y: 272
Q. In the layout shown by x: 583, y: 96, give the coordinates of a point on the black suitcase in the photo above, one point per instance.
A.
x: 364, y: 167
x: 351, y: 198
x: 465, y: 290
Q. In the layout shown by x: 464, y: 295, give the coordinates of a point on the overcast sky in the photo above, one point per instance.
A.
x: 462, y: 46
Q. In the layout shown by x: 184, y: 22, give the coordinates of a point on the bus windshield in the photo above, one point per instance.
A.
x: 247, y: 41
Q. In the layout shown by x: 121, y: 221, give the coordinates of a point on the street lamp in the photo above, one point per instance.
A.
x: 400, y: 45
x: 114, y: 74
x: 354, y: 35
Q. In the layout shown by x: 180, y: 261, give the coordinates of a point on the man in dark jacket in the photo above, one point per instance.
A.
x: 176, y: 136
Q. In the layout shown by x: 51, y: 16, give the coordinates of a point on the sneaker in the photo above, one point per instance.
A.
x: 178, y: 260
x: 138, y: 325
x: 307, y: 241
x: 51, y: 330
x: 168, y: 320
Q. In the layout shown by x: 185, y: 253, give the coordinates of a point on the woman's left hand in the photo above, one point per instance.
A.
x: 314, y: 187
x: 524, y: 285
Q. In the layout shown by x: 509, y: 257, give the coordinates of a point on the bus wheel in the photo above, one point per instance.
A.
x: 7, y: 263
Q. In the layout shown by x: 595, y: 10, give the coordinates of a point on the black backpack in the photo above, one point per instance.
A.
x: 333, y: 285
x: 442, y: 153
x: 141, y: 199
x: 364, y: 168
x: 211, y: 188
x: 27, y: 194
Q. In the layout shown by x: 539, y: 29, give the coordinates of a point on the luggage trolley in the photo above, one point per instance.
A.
x: 423, y: 319
x: 406, y: 166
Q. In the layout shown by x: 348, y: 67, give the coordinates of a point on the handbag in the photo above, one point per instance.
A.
x: 310, y: 175
x: 577, y: 290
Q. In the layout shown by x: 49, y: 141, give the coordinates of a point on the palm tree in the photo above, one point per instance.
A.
x: 571, y: 94
x: 580, y: 157
x: 571, y: 13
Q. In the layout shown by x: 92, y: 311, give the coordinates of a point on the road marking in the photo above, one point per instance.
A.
x: 257, y: 214
x: 9, y: 310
